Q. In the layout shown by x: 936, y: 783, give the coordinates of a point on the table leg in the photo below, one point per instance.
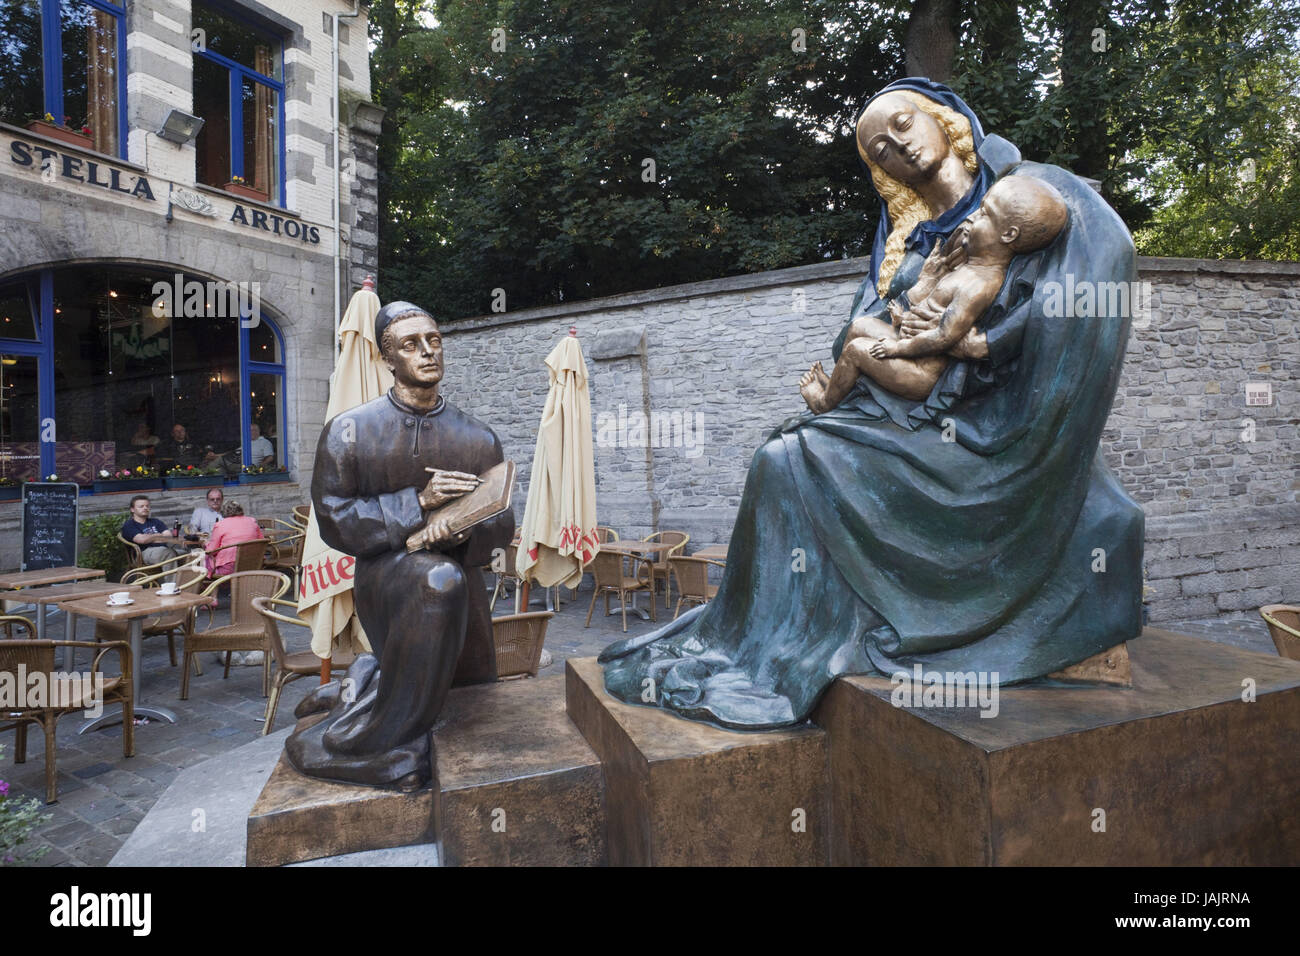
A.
x: 114, y: 716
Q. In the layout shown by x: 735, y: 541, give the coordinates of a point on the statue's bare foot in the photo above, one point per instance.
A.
x: 813, y: 390
x: 820, y: 372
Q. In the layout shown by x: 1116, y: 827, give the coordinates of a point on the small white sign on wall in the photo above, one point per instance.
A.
x: 1259, y: 393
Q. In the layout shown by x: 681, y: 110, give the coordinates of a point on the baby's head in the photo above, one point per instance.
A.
x: 1019, y: 214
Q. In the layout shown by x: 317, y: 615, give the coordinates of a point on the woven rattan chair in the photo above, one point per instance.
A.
x: 289, y: 665
x: 285, y: 553
x: 1283, y: 622
x: 607, y: 568
x: 660, y: 565
x: 300, y: 515
x: 63, y: 694
x: 190, y: 575
x: 247, y: 629
x: 606, y: 535
x: 693, y: 581
x: 507, y: 577
x: 134, y: 556
x: 518, y: 639
x: 249, y: 555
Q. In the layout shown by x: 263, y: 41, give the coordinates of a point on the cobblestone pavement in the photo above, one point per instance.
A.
x: 102, y: 796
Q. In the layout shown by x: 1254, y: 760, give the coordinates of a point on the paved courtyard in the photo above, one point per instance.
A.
x: 102, y: 797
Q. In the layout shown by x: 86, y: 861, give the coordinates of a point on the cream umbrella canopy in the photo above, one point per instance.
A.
x: 558, y: 538
x: 325, y: 592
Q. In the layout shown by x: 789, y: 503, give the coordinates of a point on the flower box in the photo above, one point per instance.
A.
x: 63, y: 134
x: 11, y: 492
x: 247, y: 191
x: 127, y: 484
x: 264, y: 477
x: 194, y: 481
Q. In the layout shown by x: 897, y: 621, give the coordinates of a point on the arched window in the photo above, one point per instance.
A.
x: 112, y: 367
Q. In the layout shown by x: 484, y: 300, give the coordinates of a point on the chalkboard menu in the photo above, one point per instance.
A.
x: 49, y: 525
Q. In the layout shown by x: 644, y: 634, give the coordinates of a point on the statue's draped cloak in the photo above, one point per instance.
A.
x: 426, y: 614
x: 966, y: 533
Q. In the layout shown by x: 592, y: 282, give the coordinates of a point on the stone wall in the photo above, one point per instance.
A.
x: 715, y: 366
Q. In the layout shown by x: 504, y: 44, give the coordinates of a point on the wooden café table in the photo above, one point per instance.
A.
x: 147, y: 603
x: 714, y: 552
x: 43, y: 579
x: 57, y: 594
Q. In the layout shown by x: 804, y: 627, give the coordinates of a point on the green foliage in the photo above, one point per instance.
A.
x: 99, y: 544
x: 524, y: 169
x: 18, y: 818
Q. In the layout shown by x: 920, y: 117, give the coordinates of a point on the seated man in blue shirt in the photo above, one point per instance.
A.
x: 156, y: 542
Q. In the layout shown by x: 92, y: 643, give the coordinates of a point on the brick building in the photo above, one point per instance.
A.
x: 185, y: 206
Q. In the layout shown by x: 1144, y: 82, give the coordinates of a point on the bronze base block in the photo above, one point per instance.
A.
x: 516, y: 783
x: 1177, y: 769
x: 680, y: 793
x: 300, y: 818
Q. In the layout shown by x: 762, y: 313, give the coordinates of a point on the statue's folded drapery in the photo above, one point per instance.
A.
x: 867, y: 542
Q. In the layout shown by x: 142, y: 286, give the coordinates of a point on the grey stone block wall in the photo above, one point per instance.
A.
x: 720, y: 368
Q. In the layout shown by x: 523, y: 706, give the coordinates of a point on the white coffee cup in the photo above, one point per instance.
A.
x: 119, y: 597
x: 171, y: 587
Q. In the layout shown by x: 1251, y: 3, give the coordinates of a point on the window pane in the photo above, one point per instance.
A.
x: 264, y: 402
x: 212, y: 102
x: 20, y: 453
x: 90, y: 73
x: 238, y: 41
x: 21, y: 83
x: 17, y: 311
x: 261, y: 140
x: 263, y: 346
x: 205, y: 380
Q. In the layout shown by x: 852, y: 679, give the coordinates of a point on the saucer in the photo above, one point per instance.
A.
x: 162, y: 593
x: 120, y: 603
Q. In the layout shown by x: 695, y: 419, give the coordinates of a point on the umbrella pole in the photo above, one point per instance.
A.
x: 523, y: 596
x: 325, y: 670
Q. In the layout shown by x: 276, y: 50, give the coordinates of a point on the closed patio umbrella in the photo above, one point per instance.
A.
x: 325, y: 594
x: 558, y: 536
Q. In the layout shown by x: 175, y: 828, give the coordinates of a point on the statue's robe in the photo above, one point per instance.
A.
x: 425, y: 614
x: 968, y: 532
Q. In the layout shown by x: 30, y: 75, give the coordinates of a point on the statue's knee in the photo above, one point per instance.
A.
x: 445, y: 579
x: 858, y: 351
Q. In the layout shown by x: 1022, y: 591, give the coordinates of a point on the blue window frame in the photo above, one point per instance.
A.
x: 239, y: 92
x: 83, y: 69
x: 260, y: 350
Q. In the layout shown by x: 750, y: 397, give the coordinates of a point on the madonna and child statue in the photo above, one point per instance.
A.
x: 942, y: 503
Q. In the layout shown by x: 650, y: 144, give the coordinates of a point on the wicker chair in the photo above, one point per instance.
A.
x: 1283, y: 622
x: 506, y: 576
x: 64, y: 695
x: 286, y: 553
x: 518, y: 639
x: 247, y: 629
x: 605, y: 535
x: 191, y: 574
x: 660, y: 565
x: 693, y: 581
x: 300, y: 515
x: 134, y: 556
x: 249, y: 555
x: 607, y: 568
x: 289, y: 666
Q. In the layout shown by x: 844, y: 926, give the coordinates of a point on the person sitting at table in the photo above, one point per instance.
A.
x: 155, y: 541
x: 260, y: 449
x: 206, y: 515
x: 234, y: 527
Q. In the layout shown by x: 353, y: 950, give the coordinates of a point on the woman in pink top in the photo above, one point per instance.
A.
x: 233, y: 528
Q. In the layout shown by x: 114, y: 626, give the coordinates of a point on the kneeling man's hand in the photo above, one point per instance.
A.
x: 438, y: 535
x: 444, y: 486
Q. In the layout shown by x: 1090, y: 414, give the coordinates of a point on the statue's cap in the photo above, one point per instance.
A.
x: 394, y: 310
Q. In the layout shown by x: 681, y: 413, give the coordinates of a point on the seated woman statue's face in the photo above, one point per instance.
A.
x: 901, y: 139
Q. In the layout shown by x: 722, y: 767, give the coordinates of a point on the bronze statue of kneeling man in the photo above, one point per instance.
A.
x: 380, y: 468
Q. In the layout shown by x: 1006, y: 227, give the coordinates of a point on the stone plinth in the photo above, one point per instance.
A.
x: 680, y: 793
x: 516, y: 785
x: 1185, y: 771
x: 300, y: 818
